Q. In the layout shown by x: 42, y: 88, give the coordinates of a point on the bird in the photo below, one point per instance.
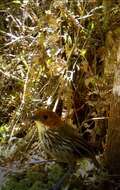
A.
x: 60, y: 140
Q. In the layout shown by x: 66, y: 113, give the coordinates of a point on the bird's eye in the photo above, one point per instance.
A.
x: 45, y: 117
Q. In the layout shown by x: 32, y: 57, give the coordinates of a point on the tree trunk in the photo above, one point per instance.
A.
x: 112, y: 152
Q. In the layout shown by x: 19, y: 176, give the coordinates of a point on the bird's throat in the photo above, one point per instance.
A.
x: 41, y: 127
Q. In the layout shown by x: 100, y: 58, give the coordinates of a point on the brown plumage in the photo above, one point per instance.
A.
x: 60, y: 140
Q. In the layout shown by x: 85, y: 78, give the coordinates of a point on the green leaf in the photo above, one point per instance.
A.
x: 17, y: 2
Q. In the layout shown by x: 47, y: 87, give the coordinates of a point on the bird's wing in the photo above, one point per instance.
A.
x: 80, y: 146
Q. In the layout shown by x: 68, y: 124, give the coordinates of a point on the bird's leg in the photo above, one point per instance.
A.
x: 69, y: 172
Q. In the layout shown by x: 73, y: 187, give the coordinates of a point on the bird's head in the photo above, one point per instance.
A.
x: 49, y: 118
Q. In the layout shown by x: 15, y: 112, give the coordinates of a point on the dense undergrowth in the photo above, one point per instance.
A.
x: 52, y: 55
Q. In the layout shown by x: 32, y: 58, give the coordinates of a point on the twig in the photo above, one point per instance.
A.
x: 8, y: 75
x: 18, y: 112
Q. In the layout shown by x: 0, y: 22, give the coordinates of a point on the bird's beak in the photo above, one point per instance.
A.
x: 33, y: 117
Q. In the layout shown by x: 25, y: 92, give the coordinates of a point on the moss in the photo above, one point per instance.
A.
x: 34, y: 180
